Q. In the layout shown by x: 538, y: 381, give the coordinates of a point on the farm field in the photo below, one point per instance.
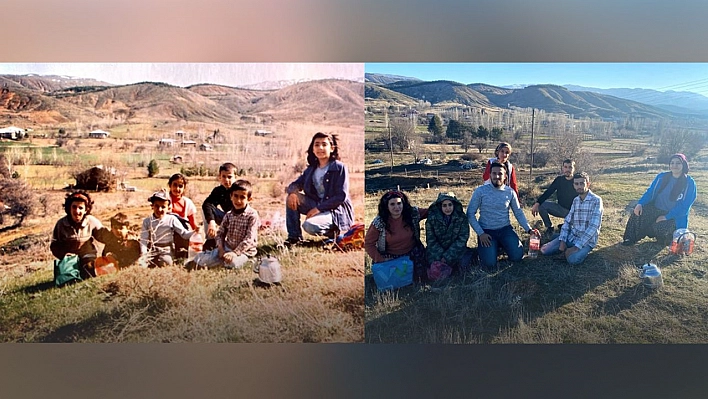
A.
x: 545, y: 300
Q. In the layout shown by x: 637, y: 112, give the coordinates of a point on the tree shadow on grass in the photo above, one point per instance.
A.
x: 39, y: 287
x: 9, y: 228
x: 80, y: 331
x: 480, y: 306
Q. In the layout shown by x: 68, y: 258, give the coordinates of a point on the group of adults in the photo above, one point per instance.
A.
x: 395, y: 231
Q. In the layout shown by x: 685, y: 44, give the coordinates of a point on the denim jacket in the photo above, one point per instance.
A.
x: 336, y: 198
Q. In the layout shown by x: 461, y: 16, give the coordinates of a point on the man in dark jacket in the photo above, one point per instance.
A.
x: 565, y: 193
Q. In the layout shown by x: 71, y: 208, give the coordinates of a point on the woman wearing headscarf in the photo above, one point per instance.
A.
x: 664, y: 206
x: 446, y: 231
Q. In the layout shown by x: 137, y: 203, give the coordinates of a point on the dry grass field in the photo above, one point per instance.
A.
x: 320, y: 299
x: 545, y: 300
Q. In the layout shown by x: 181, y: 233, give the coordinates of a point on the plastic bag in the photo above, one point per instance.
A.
x: 66, y: 270
x: 394, y: 273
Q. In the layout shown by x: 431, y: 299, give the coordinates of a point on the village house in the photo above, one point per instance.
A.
x: 12, y: 133
x: 166, y: 142
x: 263, y: 133
x: 99, y: 134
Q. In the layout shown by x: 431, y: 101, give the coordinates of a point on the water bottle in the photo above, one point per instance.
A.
x: 534, y: 243
x: 196, y: 242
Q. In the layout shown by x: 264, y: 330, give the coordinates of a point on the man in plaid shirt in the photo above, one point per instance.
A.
x: 237, y: 237
x: 582, y: 225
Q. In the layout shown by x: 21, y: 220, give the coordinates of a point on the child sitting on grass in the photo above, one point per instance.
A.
x: 219, y: 196
x: 123, y: 246
x: 237, y: 237
x: 74, y: 233
x: 157, y: 235
x: 182, y: 207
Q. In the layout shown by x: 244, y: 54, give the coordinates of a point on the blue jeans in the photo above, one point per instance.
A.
x: 318, y: 225
x: 552, y: 247
x: 551, y: 208
x: 506, y: 238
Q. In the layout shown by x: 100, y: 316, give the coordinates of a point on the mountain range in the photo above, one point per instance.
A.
x: 57, y: 100
x: 574, y: 100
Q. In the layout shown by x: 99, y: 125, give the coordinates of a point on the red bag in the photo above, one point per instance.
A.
x: 439, y: 271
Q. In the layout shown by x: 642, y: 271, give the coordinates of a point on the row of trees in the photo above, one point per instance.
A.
x: 457, y: 130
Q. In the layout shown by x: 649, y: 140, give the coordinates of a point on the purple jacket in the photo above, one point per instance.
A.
x: 336, y: 199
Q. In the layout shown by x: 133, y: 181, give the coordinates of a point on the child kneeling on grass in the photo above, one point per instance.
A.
x: 157, y: 235
x: 237, y: 237
x: 123, y: 246
x: 74, y: 234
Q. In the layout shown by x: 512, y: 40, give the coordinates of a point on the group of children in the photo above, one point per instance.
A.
x: 231, y: 224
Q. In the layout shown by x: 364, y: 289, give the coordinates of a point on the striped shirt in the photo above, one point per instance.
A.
x: 240, y: 231
x: 582, y: 225
x: 160, y: 232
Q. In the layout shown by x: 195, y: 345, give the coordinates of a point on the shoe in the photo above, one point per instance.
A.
x: 191, y: 265
x: 293, y: 241
x: 628, y: 243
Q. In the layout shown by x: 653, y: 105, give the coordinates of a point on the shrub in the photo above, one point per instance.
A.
x: 19, y: 196
x: 4, y: 167
x: 153, y: 168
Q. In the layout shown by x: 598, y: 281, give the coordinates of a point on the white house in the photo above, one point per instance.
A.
x: 12, y: 132
x: 166, y: 142
x: 263, y: 133
x: 99, y: 134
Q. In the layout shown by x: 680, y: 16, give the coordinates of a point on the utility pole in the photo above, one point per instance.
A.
x: 390, y: 140
x: 531, y: 168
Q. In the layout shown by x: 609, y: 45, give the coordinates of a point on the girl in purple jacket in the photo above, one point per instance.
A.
x: 321, y: 193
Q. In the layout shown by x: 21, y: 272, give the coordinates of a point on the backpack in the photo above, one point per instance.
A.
x: 66, y: 270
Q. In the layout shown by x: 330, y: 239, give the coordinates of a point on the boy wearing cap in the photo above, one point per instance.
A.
x: 157, y: 235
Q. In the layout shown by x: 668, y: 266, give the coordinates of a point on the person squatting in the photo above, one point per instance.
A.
x: 395, y: 231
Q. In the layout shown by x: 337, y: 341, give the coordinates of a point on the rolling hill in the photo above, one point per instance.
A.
x: 551, y: 98
x: 35, y: 100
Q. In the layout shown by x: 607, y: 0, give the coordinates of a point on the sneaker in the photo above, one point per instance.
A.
x: 191, y: 265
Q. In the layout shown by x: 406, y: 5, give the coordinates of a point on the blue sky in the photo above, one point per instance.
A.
x: 658, y: 76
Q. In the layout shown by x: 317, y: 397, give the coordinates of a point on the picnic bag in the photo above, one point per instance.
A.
x: 394, y: 273
x: 682, y: 242
x: 66, y: 270
x: 353, y: 239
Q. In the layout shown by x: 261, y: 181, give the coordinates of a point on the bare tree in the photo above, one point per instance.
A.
x: 679, y: 141
x: 416, y: 148
x: 480, y: 144
x: 565, y: 146
x: 19, y: 197
x: 402, y: 133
